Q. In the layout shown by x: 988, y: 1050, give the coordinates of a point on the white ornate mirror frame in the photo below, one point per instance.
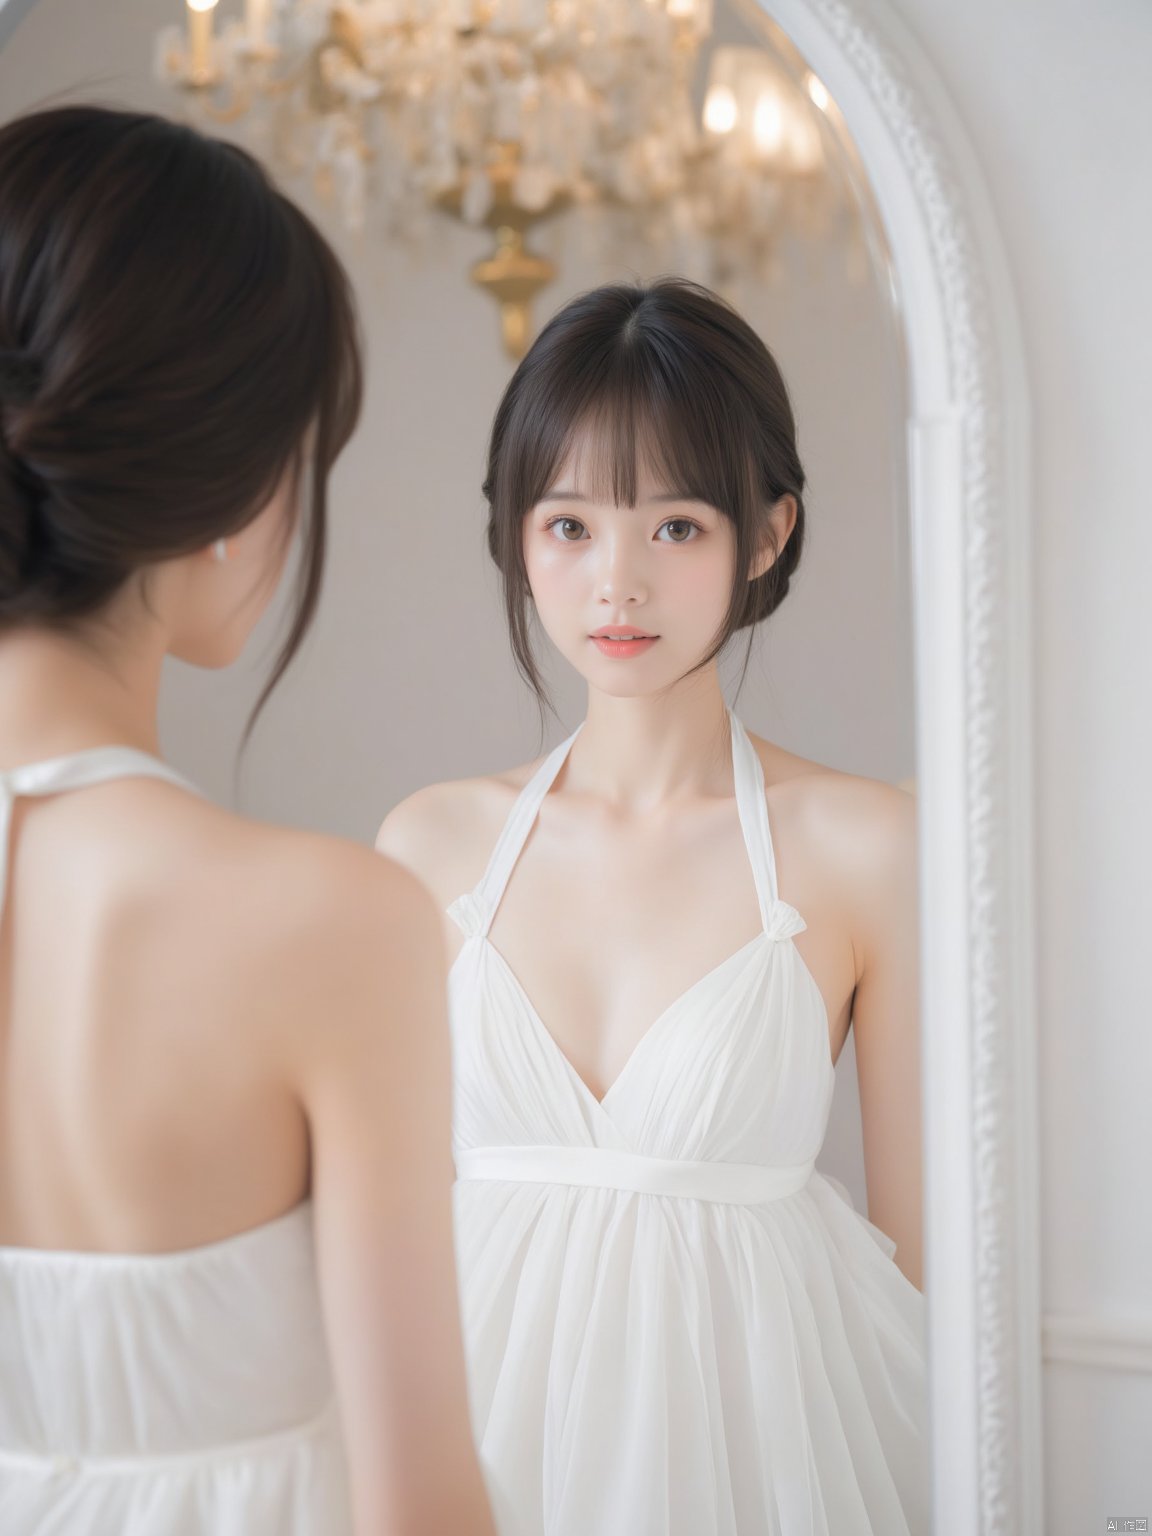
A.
x: 968, y: 446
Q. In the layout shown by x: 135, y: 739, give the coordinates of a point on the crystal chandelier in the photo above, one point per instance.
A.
x: 503, y: 113
x: 776, y: 165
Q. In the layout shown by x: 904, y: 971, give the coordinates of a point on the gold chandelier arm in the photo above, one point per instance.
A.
x: 513, y: 275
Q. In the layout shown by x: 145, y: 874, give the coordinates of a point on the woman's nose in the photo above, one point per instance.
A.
x: 621, y: 576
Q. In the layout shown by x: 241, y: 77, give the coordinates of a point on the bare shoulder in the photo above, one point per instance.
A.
x: 445, y: 832
x: 856, y: 830
x: 287, y: 916
x: 321, y: 896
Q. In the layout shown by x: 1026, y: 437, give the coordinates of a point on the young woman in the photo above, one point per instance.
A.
x: 225, y: 1174
x: 674, y: 1325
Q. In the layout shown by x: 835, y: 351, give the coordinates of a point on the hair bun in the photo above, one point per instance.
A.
x: 20, y: 377
x: 17, y: 511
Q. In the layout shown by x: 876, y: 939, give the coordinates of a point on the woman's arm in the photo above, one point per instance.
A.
x: 373, y: 1076
x: 886, y: 1018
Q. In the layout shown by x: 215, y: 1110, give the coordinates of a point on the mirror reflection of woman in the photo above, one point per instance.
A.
x: 661, y: 933
x: 225, y: 1171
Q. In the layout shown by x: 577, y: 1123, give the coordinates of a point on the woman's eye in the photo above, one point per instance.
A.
x: 685, y: 525
x: 565, y: 524
x: 570, y: 530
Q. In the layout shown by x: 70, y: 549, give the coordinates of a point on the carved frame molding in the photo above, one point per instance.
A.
x: 968, y: 447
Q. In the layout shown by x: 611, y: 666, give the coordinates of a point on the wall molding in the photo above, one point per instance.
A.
x: 1097, y: 1340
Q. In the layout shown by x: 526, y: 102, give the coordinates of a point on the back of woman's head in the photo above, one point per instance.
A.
x: 664, y: 375
x: 173, y: 333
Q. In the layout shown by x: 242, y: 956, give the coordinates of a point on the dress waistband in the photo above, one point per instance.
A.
x: 74, y: 1463
x: 604, y: 1168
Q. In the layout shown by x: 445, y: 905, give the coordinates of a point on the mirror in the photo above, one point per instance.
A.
x: 890, y: 659
x: 830, y: 676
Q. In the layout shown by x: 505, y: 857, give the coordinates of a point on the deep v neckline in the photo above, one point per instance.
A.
x: 658, y: 1023
x: 476, y: 910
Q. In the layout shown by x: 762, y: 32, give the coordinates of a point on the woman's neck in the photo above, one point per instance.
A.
x: 640, y: 754
x: 63, y: 691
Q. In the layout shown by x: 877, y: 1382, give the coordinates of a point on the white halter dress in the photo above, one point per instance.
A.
x: 675, y: 1325
x: 172, y: 1394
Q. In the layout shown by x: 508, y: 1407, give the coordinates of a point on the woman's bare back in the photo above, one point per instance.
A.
x: 161, y: 963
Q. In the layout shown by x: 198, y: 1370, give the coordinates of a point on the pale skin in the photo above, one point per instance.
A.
x: 248, y: 1016
x: 635, y: 881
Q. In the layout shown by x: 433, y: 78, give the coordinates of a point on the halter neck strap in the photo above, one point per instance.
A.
x: 476, y: 910
x: 514, y: 833
x: 752, y: 806
x: 77, y: 770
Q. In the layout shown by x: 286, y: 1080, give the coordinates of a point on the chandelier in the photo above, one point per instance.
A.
x: 503, y: 113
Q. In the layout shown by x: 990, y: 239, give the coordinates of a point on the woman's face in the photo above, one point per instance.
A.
x: 662, y: 568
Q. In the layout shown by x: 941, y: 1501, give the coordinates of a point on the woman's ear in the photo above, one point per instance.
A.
x: 779, y: 523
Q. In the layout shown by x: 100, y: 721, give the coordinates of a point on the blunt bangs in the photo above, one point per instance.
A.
x: 665, y: 378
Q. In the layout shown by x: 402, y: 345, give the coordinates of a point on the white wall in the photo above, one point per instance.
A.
x: 1055, y: 97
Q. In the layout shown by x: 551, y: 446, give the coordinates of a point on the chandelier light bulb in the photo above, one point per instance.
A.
x: 720, y: 109
x: 767, y: 125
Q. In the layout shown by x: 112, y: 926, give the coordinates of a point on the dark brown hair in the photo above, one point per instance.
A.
x: 665, y: 373
x: 173, y: 329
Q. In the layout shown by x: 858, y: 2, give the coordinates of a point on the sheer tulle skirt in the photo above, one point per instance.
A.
x: 652, y: 1366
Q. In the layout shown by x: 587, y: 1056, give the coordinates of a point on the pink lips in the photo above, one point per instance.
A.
x: 609, y: 645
